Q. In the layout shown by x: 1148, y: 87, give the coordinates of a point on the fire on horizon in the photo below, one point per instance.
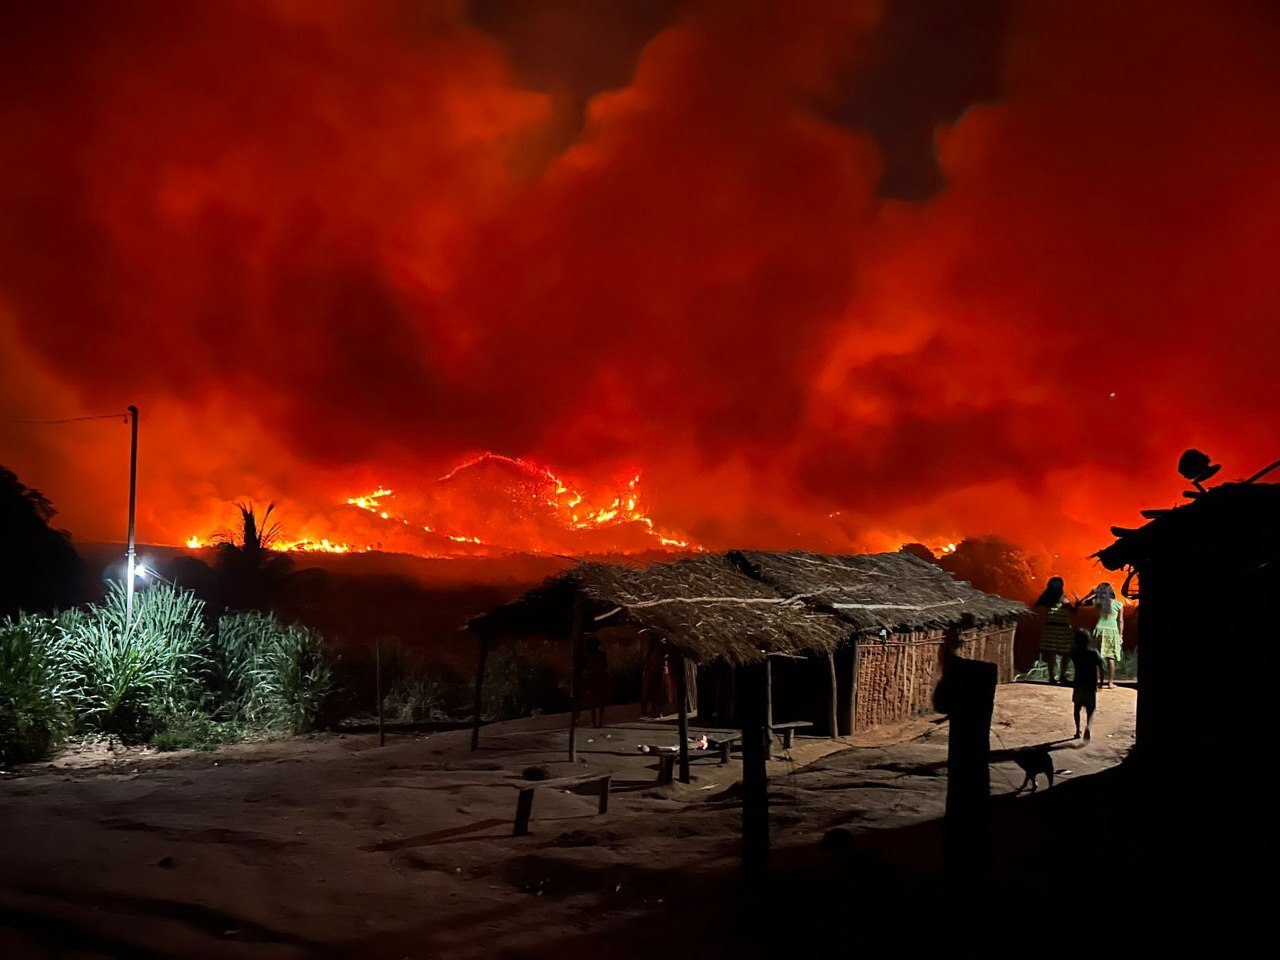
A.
x: 833, y: 276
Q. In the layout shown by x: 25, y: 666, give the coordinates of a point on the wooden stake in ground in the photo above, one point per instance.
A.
x: 575, y: 667
x: 967, y: 695
x: 682, y: 696
x: 768, y: 709
x: 835, y: 721
x: 475, y: 712
x: 751, y: 702
x: 377, y: 682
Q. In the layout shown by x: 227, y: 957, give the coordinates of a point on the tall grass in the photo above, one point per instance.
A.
x: 123, y: 678
x: 279, y: 676
x: 33, y: 717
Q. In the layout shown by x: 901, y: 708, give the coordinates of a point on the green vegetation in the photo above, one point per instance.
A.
x: 33, y: 715
x: 166, y: 678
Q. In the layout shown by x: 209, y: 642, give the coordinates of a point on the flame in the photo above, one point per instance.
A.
x: 563, y: 504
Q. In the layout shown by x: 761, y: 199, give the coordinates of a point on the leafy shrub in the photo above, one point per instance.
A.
x: 516, y: 687
x: 33, y: 718
x: 274, y: 675
x: 195, y: 730
x: 122, y: 678
x: 424, y: 696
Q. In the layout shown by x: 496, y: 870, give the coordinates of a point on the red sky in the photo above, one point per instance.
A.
x: 328, y: 247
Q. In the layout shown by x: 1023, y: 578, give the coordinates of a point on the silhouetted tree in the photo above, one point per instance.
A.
x: 992, y: 564
x: 39, y: 569
x: 251, y: 575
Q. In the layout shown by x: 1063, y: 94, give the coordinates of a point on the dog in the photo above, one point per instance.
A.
x: 1034, y: 761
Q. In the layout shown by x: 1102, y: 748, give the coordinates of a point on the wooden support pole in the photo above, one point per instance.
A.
x: 768, y: 708
x: 575, y: 667
x: 475, y: 712
x: 751, y: 690
x: 682, y: 694
x: 967, y: 695
x: 835, y: 720
x: 377, y: 682
x: 524, y: 809
x: 605, y: 783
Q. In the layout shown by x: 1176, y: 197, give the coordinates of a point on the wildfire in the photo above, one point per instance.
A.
x: 521, y: 508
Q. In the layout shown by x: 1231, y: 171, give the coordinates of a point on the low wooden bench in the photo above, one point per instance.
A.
x: 722, y: 746
x: 524, y: 803
x: 788, y: 731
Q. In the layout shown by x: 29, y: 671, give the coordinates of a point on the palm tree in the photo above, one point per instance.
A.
x: 253, y: 575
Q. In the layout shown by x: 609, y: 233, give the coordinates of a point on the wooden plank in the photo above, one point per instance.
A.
x: 475, y: 712
x: 853, y: 688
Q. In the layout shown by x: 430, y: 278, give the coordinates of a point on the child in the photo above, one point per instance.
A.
x: 1089, y: 669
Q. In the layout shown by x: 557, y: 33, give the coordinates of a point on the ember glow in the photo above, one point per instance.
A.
x: 699, y: 273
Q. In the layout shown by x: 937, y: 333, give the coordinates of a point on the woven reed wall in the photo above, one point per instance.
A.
x: 896, y: 679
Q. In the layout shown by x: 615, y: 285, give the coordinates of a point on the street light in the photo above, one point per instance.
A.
x: 130, y: 556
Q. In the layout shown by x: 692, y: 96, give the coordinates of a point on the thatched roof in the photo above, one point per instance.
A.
x: 738, y: 606
x: 702, y: 606
x: 1229, y: 528
x: 878, y: 591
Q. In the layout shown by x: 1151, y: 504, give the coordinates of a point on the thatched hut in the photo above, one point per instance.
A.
x: 898, y: 611
x: 1208, y: 575
x: 848, y: 642
x: 703, y: 609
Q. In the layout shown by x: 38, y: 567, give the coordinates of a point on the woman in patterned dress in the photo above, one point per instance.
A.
x: 1108, y: 635
x: 1057, y: 638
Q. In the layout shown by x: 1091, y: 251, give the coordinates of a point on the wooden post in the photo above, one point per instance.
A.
x: 768, y: 708
x: 575, y: 665
x: 751, y: 692
x: 475, y: 713
x: 377, y: 682
x: 682, y: 695
x: 967, y: 695
x: 524, y: 808
x: 835, y: 721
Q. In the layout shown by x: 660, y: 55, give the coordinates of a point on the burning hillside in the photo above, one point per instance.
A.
x: 490, y: 505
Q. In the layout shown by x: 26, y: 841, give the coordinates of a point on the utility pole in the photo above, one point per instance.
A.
x: 131, y: 556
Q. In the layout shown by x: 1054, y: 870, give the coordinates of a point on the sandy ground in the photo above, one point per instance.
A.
x: 333, y: 846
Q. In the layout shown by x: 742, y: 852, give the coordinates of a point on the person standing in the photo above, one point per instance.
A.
x: 1088, y: 676
x: 1056, y: 634
x: 1108, y: 634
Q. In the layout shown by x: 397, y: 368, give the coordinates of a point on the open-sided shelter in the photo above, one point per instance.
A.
x: 704, y: 609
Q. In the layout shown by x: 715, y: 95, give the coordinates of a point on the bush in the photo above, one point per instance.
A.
x: 515, y: 687
x: 33, y: 717
x: 195, y: 730
x: 423, y: 696
x: 274, y: 675
x: 121, y: 679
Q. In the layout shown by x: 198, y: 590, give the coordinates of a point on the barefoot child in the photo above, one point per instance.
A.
x: 1089, y: 671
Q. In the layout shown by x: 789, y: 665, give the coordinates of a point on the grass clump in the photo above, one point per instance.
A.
x: 120, y: 678
x: 34, y: 718
x: 277, y: 676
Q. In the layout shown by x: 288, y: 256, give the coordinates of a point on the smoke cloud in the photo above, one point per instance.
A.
x: 332, y: 247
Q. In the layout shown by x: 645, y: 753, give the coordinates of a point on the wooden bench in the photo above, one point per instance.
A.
x: 789, y: 731
x: 667, y: 757
x: 524, y: 803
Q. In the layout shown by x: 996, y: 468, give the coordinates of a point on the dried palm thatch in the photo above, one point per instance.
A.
x: 739, y: 606
x: 896, y: 592
x: 704, y: 607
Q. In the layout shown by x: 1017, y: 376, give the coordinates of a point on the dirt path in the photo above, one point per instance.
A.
x: 334, y: 847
